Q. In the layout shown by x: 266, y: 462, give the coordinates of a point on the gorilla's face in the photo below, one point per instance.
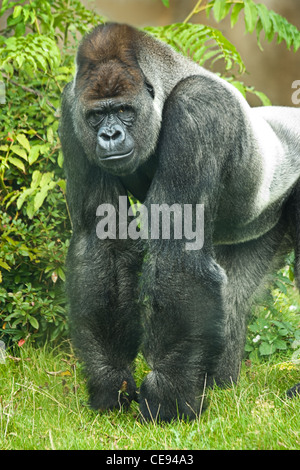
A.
x: 113, y: 121
x: 117, y: 123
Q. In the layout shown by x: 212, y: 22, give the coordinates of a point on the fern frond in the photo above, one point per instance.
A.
x: 200, y: 43
x: 257, y: 17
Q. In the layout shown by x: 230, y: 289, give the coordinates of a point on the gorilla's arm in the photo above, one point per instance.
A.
x: 102, y: 278
x: 185, y: 330
x: 211, y: 151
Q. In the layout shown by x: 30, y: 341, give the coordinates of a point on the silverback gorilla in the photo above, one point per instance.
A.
x: 140, y: 119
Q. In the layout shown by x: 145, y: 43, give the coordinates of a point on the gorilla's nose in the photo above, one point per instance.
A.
x: 110, y: 138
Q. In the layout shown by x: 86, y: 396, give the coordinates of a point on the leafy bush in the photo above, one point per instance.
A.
x: 35, y: 227
x: 36, y: 61
x: 275, y: 326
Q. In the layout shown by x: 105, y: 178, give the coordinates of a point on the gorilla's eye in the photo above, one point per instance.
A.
x: 95, y: 117
x: 124, y: 109
x: 126, y: 114
x: 150, y: 89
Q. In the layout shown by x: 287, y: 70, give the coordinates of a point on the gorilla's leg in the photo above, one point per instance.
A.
x: 196, y: 323
x: 105, y: 317
x: 184, y: 332
x: 248, y: 266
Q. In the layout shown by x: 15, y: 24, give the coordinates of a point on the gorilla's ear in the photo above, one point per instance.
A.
x: 150, y: 89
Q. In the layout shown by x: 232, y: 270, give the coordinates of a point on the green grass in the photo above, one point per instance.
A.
x: 43, y: 405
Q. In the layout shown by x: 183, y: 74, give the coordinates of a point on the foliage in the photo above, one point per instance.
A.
x: 201, y: 43
x: 208, y: 45
x: 35, y: 228
x: 275, y: 326
x: 37, y: 50
x: 257, y: 18
x: 44, y: 406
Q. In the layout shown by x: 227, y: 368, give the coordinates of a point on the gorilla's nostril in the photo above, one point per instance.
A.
x: 116, y: 135
x: 105, y: 137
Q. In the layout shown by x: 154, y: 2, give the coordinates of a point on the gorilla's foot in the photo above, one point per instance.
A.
x: 162, y: 400
x: 112, y: 389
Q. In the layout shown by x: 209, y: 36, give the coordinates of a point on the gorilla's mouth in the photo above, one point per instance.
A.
x: 117, y: 156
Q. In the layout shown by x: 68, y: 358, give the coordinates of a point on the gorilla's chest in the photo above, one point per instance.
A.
x: 138, y: 183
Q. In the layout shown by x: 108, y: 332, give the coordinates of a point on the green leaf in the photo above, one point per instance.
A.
x: 33, y: 321
x: 11, y: 316
x: 259, y: 28
x: 239, y: 86
x: 20, y: 59
x: 13, y: 21
x: 34, y: 154
x: 39, y: 198
x: 264, y: 16
x: 17, y: 163
x: 229, y: 51
x: 251, y: 15
x: 220, y: 9
x: 19, y: 151
x: 20, y: 30
x: 30, y: 211
x: 16, y: 322
x: 17, y: 11
x: 62, y: 184
x: 60, y: 159
x: 281, y: 286
x: 42, y: 194
x: 61, y: 274
x: 22, y: 139
x: 42, y: 62
x: 46, y: 178
x: 262, y: 96
x: 25, y: 194
x: 296, y: 343
x: 266, y: 349
x: 4, y: 265
x: 235, y: 13
x: 291, y: 274
x: 50, y: 135
x: 280, y: 344
x: 36, y: 179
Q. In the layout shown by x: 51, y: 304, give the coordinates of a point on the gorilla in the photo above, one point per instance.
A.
x: 141, y: 120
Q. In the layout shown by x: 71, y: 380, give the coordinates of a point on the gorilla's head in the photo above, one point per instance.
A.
x: 116, y: 120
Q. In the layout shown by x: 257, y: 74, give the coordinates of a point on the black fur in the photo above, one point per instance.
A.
x: 187, y: 137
